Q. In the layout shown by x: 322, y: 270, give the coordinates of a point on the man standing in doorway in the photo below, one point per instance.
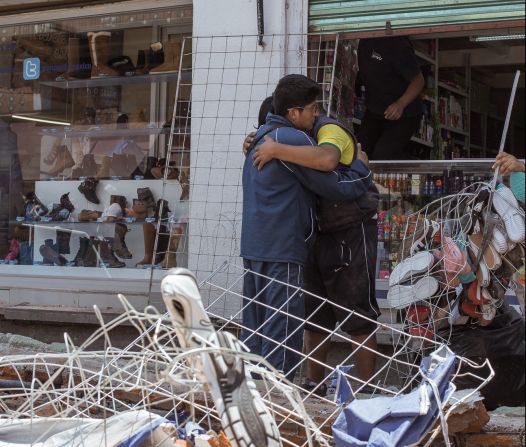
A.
x: 393, y: 82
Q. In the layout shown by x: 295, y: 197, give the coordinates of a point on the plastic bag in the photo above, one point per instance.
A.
x: 503, y: 344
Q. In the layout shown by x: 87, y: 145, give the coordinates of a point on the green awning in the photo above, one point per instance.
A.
x: 371, y: 15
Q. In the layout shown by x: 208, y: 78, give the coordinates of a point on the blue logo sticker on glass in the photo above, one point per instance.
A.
x: 31, y: 68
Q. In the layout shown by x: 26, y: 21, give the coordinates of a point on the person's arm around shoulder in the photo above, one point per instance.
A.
x: 345, y: 183
x: 324, y: 157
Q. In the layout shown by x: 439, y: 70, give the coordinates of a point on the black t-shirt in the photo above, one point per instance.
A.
x: 387, y: 66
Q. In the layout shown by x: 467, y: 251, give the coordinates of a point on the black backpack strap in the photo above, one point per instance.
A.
x: 258, y: 139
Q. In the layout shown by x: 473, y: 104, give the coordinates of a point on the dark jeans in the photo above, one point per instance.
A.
x: 274, y: 313
x: 385, y: 139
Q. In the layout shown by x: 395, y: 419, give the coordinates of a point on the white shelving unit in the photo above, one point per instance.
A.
x: 50, y: 191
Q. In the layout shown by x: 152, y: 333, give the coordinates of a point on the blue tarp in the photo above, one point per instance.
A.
x: 399, y: 420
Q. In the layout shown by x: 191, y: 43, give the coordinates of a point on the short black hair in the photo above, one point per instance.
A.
x: 265, y: 107
x: 294, y: 90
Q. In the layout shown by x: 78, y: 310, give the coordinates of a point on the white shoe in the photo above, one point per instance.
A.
x: 508, y: 209
x: 244, y: 416
x: 498, y: 234
x: 418, y: 263
x: 483, y: 276
x: 402, y: 296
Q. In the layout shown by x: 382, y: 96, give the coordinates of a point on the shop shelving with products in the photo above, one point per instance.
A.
x: 92, y: 121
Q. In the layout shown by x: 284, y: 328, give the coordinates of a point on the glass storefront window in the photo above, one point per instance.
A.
x: 85, y: 113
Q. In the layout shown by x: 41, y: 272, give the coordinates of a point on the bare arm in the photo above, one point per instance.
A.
x: 415, y: 87
x: 322, y: 158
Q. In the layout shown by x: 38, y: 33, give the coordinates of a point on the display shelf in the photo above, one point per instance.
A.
x: 429, y: 99
x: 454, y: 129
x: 452, y: 89
x: 425, y: 57
x: 431, y: 166
x: 186, y: 76
x: 50, y: 191
x: 413, y: 138
x: 423, y: 142
x: 104, y: 132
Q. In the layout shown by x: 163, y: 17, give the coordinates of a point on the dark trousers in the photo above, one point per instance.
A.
x: 385, y: 139
x: 274, y: 313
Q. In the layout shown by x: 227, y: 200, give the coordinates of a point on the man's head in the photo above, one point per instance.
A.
x: 295, y: 99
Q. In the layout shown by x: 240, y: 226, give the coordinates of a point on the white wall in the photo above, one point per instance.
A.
x: 231, y: 76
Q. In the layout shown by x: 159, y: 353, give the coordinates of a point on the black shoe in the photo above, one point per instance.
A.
x: 88, y: 187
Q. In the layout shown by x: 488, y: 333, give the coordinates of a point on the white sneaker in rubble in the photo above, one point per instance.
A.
x: 245, y: 418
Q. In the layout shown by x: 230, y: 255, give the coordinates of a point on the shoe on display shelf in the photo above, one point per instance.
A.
x: 119, y: 243
x: 89, y: 189
x: 14, y: 250
x: 145, y: 194
x: 34, y: 209
x: 107, y: 254
x: 50, y: 254
x: 244, y: 415
x: 89, y: 215
x: 64, y: 160
x: 99, y: 45
x: 172, y: 56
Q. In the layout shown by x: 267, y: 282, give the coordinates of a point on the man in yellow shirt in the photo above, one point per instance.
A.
x: 342, y: 263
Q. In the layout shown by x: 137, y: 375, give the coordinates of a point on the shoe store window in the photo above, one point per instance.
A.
x: 86, y: 110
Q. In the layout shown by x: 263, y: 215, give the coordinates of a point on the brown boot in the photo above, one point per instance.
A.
x: 119, y: 243
x: 118, y: 165
x: 107, y: 255
x: 148, y: 230
x: 53, y: 154
x: 73, y: 59
x: 170, y: 258
x: 99, y: 45
x: 104, y: 169
x: 89, y: 215
x: 91, y: 253
x: 172, y: 56
x: 63, y: 161
x: 139, y: 210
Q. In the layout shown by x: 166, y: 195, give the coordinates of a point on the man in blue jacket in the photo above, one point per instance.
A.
x: 278, y: 223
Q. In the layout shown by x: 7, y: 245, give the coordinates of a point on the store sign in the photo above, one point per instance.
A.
x: 31, y: 69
